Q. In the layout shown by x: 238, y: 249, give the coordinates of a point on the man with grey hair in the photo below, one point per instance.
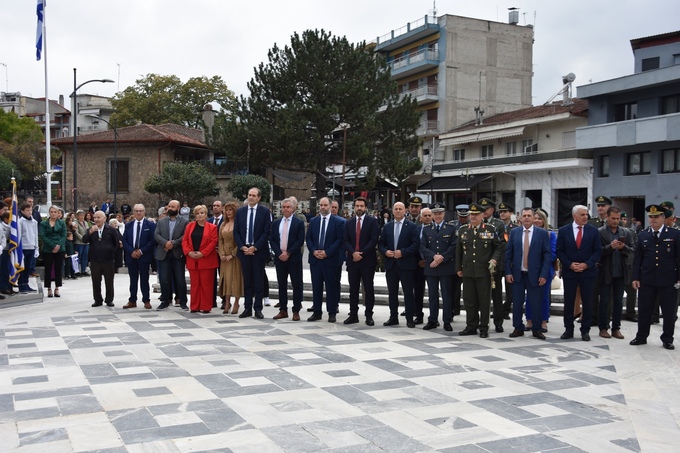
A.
x: 103, y: 240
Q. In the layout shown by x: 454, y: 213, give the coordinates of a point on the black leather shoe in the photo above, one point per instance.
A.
x: 410, y: 324
x: 403, y: 313
x: 258, y: 314
x: 351, y: 320
x: 632, y: 318
x: 585, y: 336
x: 637, y: 342
x: 314, y: 317
x: 246, y: 314
x: 538, y: 334
x: 369, y: 321
x: 499, y: 329
x: 506, y: 316
x: 391, y: 322
x: 418, y: 320
x: 467, y: 331
x: 331, y: 317
x: 567, y: 335
x: 162, y: 306
x: 310, y: 309
x: 447, y: 327
x: 517, y: 333
x: 668, y: 346
x: 97, y: 304
x: 483, y: 334
x: 430, y: 326
x: 110, y: 304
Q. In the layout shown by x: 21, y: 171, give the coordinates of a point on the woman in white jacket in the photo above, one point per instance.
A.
x: 28, y: 228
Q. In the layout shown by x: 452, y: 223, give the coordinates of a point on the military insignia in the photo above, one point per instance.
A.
x: 652, y: 209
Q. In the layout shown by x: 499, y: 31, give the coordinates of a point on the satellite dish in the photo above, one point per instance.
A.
x: 568, y: 78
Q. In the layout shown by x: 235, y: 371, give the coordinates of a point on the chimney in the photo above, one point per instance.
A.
x: 61, y: 100
x: 513, y: 16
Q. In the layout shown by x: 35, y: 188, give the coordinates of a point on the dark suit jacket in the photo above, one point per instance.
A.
x: 409, y: 244
x: 261, y: 230
x: 208, y: 247
x: 102, y: 250
x: 625, y: 236
x: 296, y: 238
x: 589, y: 253
x: 657, y: 263
x: 540, y: 256
x: 146, y: 240
x: 443, y: 242
x: 333, y: 240
x: 162, y: 235
x: 368, y: 239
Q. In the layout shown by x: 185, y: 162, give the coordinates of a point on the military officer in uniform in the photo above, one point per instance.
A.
x: 463, y: 214
x: 478, y: 253
x: 505, y: 211
x: 656, y: 273
x: 489, y: 207
x: 415, y: 204
x: 603, y: 204
x: 438, y: 249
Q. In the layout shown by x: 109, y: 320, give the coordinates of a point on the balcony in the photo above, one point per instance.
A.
x: 424, y: 94
x: 414, y: 63
x: 411, y: 32
x: 428, y: 128
x: 642, y: 131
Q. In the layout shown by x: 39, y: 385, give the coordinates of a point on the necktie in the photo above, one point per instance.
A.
x: 438, y: 227
x: 397, y: 232
x: 356, y: 246
x: 579, y: 236
x: 525, y: 255
x: 139, y: 233
x: 250, y: 226
x: 322, y: 236
x: 656, y: 236
x: 284, y: 235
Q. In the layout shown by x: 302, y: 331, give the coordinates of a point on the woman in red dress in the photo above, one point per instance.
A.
x: 200, y: 248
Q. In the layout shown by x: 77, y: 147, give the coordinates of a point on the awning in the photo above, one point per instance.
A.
x: 285, y: 177
x: 482, y: 136
x: 453, y: 183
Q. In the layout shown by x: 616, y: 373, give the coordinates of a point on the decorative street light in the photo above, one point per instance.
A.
x: 74, y: 115
x: 115, y: 157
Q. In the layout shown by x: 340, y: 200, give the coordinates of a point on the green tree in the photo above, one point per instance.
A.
x: 158, y: 99
x: 305, y: 97
x: 240, y: 184
x: 190, y: 182
x: 20, y: 143
x: 7, y: 170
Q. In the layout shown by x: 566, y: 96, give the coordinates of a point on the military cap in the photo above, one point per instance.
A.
x: 415, y: 201
x: 603, y: 200
x: 668, y: 213
x: 624, y: 215
x: 463, y: 210
x: 667, y: 205
x: 487, y: 203
x: 503, y: 206
x: 438, y: 207
x: 654, y: 210
x: 477, y: 208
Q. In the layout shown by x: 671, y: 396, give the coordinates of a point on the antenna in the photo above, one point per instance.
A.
x: 433, y: 11
x: 479, y: 113
x: 118, y: 84
x: 565, y: 91
x: 6, y: 78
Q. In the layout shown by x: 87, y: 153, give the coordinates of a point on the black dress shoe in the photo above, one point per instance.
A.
x: 391, y: 322
x: 430, y: 326
x: 109, y: 304
x: 369, y: 321
x: 538, y: 334
x: 97, y: 304
x: 351, y: 320
x: 403, y: 313
x: 410, y: 324
x: 447, y: 327
x: 632, y: 318
x: 467, y: 331
x: 637, y: 341
x: 224, y: 304
x: 655, y: 320
x: 483, y: 334
x: 517, y: 333
x: 258, y: 314
x: 585, y: 336
x: 310, y: 309
x: 162, y: 306
x: 567, y: 335
x: 668, y: 346
x: 331, y: 317
x: 506, y: 316
x: 246, y: 314
x: 314, y: 317
x: 194, y: 311
x: 499, y: 329
x: 418, y: 320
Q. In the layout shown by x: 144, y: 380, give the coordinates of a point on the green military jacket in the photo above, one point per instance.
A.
x: 475, y: 249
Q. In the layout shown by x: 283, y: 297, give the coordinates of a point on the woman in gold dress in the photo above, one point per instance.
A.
x: 231, y: 275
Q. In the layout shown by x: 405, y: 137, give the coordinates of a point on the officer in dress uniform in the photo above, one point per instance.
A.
x: 497, y: 291
x: 477, y: 255
x: 415, y: 206
x: 603, y: 204
x: 463, y: 213
x: 656, y: 273
x: 505, y: 211
x: 438, y: 249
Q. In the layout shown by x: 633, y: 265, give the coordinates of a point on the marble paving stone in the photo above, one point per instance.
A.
x: 42, y: 436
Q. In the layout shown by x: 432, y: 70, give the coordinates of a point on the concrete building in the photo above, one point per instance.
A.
x: 92, y: 104
x: 25, y: 106
x: 634, y: 128
x: 457, y: 67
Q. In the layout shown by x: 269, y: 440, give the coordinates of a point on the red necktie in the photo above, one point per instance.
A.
x: 356, y: 246
x: 579, y: 236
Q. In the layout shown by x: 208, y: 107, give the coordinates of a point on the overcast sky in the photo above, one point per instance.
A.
x: 229, y: 38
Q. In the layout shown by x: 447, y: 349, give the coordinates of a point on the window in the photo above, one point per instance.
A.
x: 511, y: 148
x: 459, y: 155
x: 670, y: 104
x: 487, y: 152
x: 639, y: 163
x: 650, y: 63
x: 670, y: 161
x: 676, y: 58
x: 120, y: 178
x: 624, y: 112
x: 603, y: 171
x: 529, y: 147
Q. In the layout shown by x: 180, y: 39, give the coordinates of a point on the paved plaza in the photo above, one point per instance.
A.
x: 77, y: 378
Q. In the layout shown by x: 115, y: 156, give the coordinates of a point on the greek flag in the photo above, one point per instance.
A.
x: 16, y: 254
x: 38, y: 34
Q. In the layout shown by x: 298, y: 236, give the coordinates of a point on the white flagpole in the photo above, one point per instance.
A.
x: 48, y: 158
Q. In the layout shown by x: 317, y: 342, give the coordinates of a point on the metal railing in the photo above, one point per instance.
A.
x: 407, y: 28
x: 413, y: 58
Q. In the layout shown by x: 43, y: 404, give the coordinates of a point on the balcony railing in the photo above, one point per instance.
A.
x: 407, y: 28
x: 413, y: 58
x: 428, y: 127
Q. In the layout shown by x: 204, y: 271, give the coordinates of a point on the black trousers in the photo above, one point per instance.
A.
x: 97, y: 271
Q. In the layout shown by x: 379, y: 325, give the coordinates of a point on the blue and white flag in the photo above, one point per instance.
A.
x: 16, y: 254
x: 39, y: 32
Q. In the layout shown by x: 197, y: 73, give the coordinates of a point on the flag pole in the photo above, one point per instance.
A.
x: 48, y: 132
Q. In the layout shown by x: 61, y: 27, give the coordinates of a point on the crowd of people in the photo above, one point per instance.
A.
x: 225, y: 248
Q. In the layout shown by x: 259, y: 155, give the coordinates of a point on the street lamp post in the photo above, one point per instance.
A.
x: 74, y: 115
x: 115, y: 157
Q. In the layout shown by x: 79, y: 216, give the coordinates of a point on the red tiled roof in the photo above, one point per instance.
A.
x: 143, y: 133
x: 655, y: 40
x: 579, y: 107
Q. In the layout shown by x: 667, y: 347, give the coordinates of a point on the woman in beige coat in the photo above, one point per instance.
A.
x: 231, y: 275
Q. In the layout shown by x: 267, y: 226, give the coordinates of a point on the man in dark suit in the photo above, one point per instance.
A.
x: 103, y: 240
x: 171, y: 261
x: 400, y: 244
x: 360, y: 239
x: 505, y: 211
x: 415, y: 207
x: 251, y: 232
x: 656, y: 273
x: 217, y: 210
x: 438, y: 248
x: 527, y: 269
x: 139, y: 243
x: 324, y: 242
x: 287, y: 238
x: 579, y: 249
x: 419, y: 274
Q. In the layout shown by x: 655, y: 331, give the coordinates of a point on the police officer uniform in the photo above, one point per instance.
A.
x: 439, y: 240
x: 656, y: 269
x: 497, y: 291
x: 463, y: 212
x: 476, y: 247
x: 504, y: 232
